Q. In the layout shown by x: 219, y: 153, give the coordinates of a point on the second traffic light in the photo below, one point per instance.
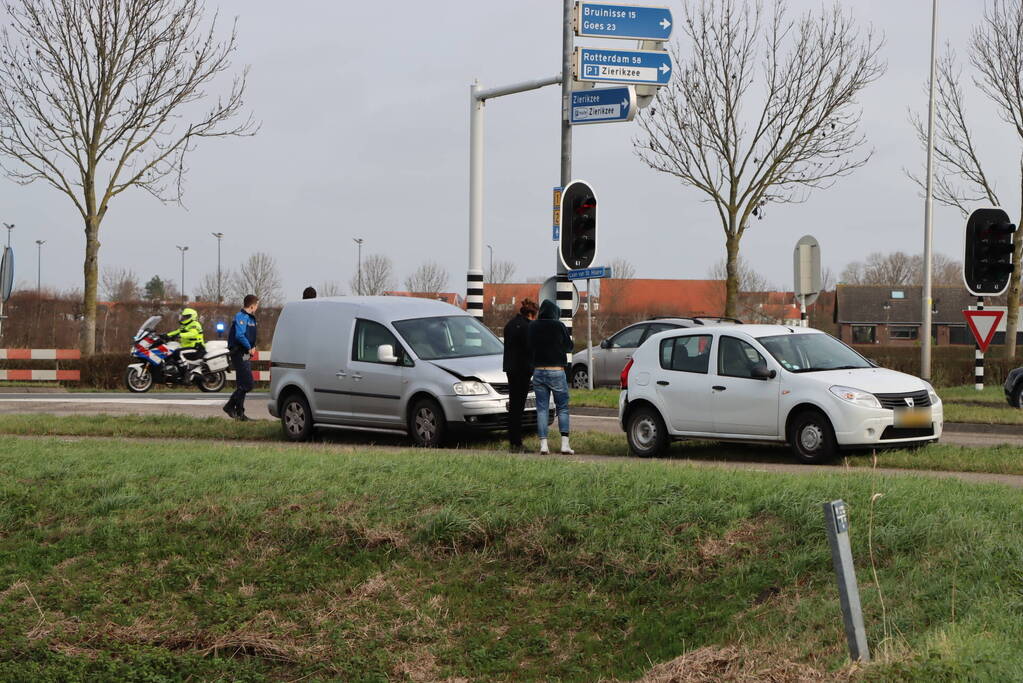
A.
x: 989, y: 249
x: 578, y: 241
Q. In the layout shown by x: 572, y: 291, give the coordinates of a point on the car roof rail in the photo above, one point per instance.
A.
x: 719, y: 318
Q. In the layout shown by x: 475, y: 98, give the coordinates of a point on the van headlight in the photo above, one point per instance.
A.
x: 471, y: 389
x: 856, y: 396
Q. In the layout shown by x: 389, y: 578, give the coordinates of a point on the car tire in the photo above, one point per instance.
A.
x: 580, y: 377
x: 296, y: 418
x: 1017, y: 395
x: 812, y: 438
x: 426, y: 423
x: 646, y: 433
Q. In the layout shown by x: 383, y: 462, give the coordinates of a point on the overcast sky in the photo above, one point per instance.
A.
x: 364, y: 112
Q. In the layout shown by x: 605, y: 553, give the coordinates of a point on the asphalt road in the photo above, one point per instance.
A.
x: 209, y: 405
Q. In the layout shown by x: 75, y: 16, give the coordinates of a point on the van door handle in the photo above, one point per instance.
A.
x: 357, y: 376
x: 718, y: 387
x: 663, y: 383
x: 340, y: 374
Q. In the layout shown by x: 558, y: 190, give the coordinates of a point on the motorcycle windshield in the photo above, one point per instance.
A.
x: 148, y: 326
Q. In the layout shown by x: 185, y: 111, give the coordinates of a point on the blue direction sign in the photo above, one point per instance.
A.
x: 598, y: 20
x: 591, y: 273
x: 649, y: 67
x: 603, y: 105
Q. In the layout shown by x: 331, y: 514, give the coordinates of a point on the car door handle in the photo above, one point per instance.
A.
x: 663, y: 383
x: 340, y: 374
x: 718, y: 387
x: 357, y: 376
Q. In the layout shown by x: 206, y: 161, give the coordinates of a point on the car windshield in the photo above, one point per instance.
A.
x: 451, y: 336
x: 812, y: 353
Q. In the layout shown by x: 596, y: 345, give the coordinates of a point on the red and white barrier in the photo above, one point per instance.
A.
x: 40, y: 354
x: 39, y: 375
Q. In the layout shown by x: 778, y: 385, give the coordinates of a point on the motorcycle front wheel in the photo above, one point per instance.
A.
x: 138, y: 381
x: 213, y: 382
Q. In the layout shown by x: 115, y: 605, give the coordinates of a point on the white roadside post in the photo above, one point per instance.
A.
x: 806, y: 266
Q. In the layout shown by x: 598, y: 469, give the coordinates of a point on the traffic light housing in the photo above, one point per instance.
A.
x: 578, y: 242
x: 987, y: 266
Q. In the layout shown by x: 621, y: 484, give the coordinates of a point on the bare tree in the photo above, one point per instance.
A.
x: 258, y: 275
x: 747, y: 137
x: 377, y: 276
x: 501, y: 273
x: 99, y: 96
x: 900, y: 269
x: 622, y: 268
x: 750, y: 283
x: 331, y: 288
x: 961, y: 178
x: 429, y: 278
x: 121, y: 284
x: 208, y: 289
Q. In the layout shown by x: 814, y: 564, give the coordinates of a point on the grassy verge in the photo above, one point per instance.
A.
x: 252, y: 563
x: 598, y: 398
x: 966, y: 404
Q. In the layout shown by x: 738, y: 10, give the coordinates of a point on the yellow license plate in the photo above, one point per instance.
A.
x: 913, y: 417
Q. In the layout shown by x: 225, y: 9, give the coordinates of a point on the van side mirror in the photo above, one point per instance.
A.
x: 762, y: 372
x: 385, y: 354
x: 606, y: 344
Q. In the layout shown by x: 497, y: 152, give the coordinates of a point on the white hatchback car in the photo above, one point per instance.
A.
x: 770, y: 383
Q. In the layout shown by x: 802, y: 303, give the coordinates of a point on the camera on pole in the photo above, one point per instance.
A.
x: 578, y: 243
x: 989, y: 250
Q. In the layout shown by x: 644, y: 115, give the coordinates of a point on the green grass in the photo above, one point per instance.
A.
x: 598, y: 398
x: 173, y: 561
x: 966, y: 404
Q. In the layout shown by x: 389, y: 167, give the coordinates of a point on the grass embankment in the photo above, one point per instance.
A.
x: 244, y: 563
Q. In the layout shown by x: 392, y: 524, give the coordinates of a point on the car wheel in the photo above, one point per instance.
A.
x: 1017, y: 395
x: 646, y: 433
x: 426, y: 423
x: 812, y: 438
x: 138, y: 381
x: 296, y: 418
x: 580, y: 377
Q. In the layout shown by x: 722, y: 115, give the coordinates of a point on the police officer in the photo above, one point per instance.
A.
x: 241, y: 342
x: 189, y: 335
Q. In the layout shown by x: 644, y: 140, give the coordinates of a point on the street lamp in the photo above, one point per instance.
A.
x: 925, y: 345
x: 359, y: 241
x: 491, y: 248
x: 183, y: 250
x: 10, y: 227
x: 39, y: 265
x: 219, y: 236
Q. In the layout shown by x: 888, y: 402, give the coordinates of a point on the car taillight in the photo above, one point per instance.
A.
x: 625, y: 374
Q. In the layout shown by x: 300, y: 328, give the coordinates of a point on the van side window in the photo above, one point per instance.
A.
x: 369, y: 336
x: 686, y: 354
x: 736, y: 358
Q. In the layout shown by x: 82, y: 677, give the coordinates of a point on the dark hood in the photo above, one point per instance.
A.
x: 549, y: 310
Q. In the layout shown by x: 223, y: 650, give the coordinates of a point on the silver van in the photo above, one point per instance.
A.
x: 387, y: 364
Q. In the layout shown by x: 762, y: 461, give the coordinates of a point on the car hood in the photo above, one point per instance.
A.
x: 874, y: 380
x: 484, y: 368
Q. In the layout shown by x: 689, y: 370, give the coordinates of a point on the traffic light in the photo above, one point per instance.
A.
x: 989, y: 248
x: 578, y: 246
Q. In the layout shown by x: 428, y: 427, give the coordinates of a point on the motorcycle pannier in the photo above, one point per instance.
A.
x: 217, y: 363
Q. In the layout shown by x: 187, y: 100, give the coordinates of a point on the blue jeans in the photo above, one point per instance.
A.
x: 545, y: 383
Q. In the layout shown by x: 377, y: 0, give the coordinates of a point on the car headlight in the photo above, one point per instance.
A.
x: 932, y: 394
x: 856, y: 396
x: 471, y: 389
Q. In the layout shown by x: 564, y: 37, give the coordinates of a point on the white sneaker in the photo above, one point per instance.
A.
x: 565, y: 448
x: 544, y: 449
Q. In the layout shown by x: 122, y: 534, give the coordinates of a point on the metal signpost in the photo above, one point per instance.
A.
x: 599, y: 20
x: 836, y: 517
x: 6, y: 281
x: 647, y: 67
x: 603, y: 105
x: 806, y: 264
x: 588, y: 274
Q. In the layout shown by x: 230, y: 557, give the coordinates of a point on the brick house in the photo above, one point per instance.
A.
x: 882, y: 314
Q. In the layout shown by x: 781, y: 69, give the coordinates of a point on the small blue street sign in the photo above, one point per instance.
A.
x: 647, y: 67
x: 597, y: 20
x: 603, y: 105
x: 591, y: 273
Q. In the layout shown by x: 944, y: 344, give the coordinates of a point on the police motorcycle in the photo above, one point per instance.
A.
x: 160, y: 364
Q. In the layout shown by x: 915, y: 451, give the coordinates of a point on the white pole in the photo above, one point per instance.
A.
x: 474, y: 277
x: 928, y: 302
x: 565, y: 288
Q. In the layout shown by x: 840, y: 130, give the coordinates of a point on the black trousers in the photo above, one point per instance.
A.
x: 518, y: 385
x: 243, y: 380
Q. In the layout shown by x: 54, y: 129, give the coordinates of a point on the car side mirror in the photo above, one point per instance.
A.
x: 606, y: 344
x: 762, y: 372
x: 385, y: 354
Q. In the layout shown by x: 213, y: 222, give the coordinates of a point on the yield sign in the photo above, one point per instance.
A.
x: 983, y: 324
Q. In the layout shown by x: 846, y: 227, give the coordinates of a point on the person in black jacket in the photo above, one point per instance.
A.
x: 241, y: 343
x: 550, y: 344
x: 518, y: 365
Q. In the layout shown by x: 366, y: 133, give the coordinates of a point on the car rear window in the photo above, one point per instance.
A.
x: 690, y: 353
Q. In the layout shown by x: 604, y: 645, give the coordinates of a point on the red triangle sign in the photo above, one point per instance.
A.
x: 983, y: 324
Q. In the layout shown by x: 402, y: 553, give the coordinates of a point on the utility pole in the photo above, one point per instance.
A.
x: 39, y: 265
x: 359, y: 241
x: 220, y: 296
x: 183, y: 250
x: 925, y: 332
x: 491, y: 248
x: 565, y: 288
x: 10, y: 228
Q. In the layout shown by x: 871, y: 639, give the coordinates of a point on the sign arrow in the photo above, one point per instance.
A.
x: 665, y: 24
x: 625, y: 106
x: 665, y: 68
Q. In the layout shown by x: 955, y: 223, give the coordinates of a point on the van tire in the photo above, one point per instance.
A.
x: 426, y: 423
x: 812, y: 438
x: 646, y: 432
x: 296, y: 418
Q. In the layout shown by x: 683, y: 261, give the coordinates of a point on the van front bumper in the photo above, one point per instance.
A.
x: 481, y: 414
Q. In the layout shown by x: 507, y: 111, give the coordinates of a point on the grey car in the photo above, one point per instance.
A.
x: 613, y: 353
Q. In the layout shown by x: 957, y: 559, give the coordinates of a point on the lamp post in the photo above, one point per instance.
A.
x: 39, y: 265
x: 491, y: 248
x: 10, y: 227
x: 183, y: 250
x: 359, y: 241
x: 925, y: 343
x: 220, y: 296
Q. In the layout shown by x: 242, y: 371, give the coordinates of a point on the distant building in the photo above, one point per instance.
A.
x: 880, y: 314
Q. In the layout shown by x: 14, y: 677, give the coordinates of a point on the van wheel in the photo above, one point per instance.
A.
x: 296, y: 418
x: 812, y: 438
x: 646, y: 433
x: 580, y: 377
x: 426, y: 423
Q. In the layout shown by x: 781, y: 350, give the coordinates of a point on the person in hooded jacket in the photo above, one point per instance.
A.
x: 550, y: 343
x: 518, y: 365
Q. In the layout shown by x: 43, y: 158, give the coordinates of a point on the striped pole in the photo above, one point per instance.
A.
x: 474, y: 294
x: 978, y: 357
x: 565, y: 292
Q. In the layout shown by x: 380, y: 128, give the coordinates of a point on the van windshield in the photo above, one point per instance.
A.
x: 812, y: 353
x: 450, y: 336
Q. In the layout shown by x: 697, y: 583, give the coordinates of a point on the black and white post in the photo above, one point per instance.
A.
x: 978, y: 356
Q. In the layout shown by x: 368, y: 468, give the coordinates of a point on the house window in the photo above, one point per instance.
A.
x: 903, y: 332
x: 898, y: 294
x: 864, y: 334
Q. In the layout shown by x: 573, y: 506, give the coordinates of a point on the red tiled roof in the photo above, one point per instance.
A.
x: 663, y: 297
